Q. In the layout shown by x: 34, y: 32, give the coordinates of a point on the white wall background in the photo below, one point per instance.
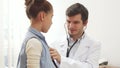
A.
x: 104, y: 21
x: 104, y: 24
x: 1, y: 38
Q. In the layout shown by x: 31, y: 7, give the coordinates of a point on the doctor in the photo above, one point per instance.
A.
x: 78, y: 50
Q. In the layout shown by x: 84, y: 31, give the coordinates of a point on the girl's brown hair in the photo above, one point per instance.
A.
x: 33, y: 7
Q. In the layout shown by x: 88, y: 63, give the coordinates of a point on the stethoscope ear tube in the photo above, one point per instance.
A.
x: 66, y: 31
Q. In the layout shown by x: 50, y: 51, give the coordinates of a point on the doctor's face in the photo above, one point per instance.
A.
x: 75, y: 25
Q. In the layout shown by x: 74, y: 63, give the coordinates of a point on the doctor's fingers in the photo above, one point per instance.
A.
x: 51, y: 49
x: 56, y: 56
x: 54, y: 53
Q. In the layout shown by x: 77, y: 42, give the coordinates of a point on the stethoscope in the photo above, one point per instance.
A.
x: 70, y: 47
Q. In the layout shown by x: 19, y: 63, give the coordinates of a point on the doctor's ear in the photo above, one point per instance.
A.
x: 85, y: 23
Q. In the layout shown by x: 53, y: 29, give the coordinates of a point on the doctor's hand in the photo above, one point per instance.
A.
x: 55, y: 55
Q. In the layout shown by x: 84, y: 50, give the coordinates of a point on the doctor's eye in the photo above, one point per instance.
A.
x: 68, y: 22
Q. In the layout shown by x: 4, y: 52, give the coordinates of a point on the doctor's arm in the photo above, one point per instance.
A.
x: 90, y: 62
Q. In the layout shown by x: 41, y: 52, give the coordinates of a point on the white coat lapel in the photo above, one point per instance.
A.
x: 82, y: 50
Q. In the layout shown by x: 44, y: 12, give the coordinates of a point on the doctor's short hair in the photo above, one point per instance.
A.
x: 77, y: 8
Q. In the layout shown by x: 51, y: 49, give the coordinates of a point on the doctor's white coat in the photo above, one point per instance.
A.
x: 86, y: 55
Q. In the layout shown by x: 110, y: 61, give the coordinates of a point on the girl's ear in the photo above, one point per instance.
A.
x: 41, y: 16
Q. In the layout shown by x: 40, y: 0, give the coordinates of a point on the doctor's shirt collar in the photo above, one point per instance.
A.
x: 70, y: 39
